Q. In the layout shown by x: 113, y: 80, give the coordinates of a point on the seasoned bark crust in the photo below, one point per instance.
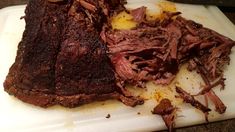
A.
x: 61, y: 59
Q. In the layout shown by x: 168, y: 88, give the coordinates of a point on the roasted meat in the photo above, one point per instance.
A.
x: 70, y: 55
x: 61, y: 59
x: 32, y: 77
x: 155, y: 51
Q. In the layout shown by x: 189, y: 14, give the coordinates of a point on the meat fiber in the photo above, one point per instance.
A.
x: 61, y: 59
x: 190, y: 99
x: 167, y: 112
x: 155, y: 52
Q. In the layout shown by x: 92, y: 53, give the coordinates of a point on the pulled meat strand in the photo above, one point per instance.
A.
x: 191, y: 100
x: 207, y: 91
x: 169, y: 121
x: 207, y: 105
x: 208, y: 88
x: 219, y: 105
x: 167, y: 112
x: 123, y: 67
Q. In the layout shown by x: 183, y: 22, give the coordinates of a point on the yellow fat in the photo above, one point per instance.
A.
x: 123, y: 20
x: 167, y: 6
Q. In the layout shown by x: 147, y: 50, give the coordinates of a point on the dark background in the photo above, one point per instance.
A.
x: 222, y: 126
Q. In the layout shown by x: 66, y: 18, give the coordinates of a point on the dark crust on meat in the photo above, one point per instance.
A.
x: 46, y: 100
x: 82, y: 65
x: 36, y: 56
x: 55, y: 39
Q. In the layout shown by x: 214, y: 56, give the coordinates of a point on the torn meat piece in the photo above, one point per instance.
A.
x: 191, y: 100
x: 207, y: 88
x: 219, y: 105
x: 139, y: 14
x: 208, y: 92
x: 167, y: 111
x: 175, y: 35
x: 164, y: 107
x: 123, y: 67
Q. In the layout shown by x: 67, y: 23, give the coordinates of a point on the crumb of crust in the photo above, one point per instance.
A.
x: 108, y: 116
x: 138, y: 113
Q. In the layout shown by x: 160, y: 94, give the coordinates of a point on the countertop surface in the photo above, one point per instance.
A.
x: 222, y: 126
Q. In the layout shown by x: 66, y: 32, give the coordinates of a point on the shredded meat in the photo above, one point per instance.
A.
x: 156, y: 51
x: 167, y: 111
x: 191, y: 100
x: 207, y: 90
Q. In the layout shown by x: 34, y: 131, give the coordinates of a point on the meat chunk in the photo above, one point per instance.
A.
x: 61, y: 59
x: 32, y: 77
x: 167, y: 111
x: 219, y: 105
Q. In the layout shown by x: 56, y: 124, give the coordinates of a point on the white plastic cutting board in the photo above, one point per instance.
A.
x: 18, y: 116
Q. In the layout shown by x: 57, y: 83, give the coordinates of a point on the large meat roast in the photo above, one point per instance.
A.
x: 71, y: 54
x: 61, y: 59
